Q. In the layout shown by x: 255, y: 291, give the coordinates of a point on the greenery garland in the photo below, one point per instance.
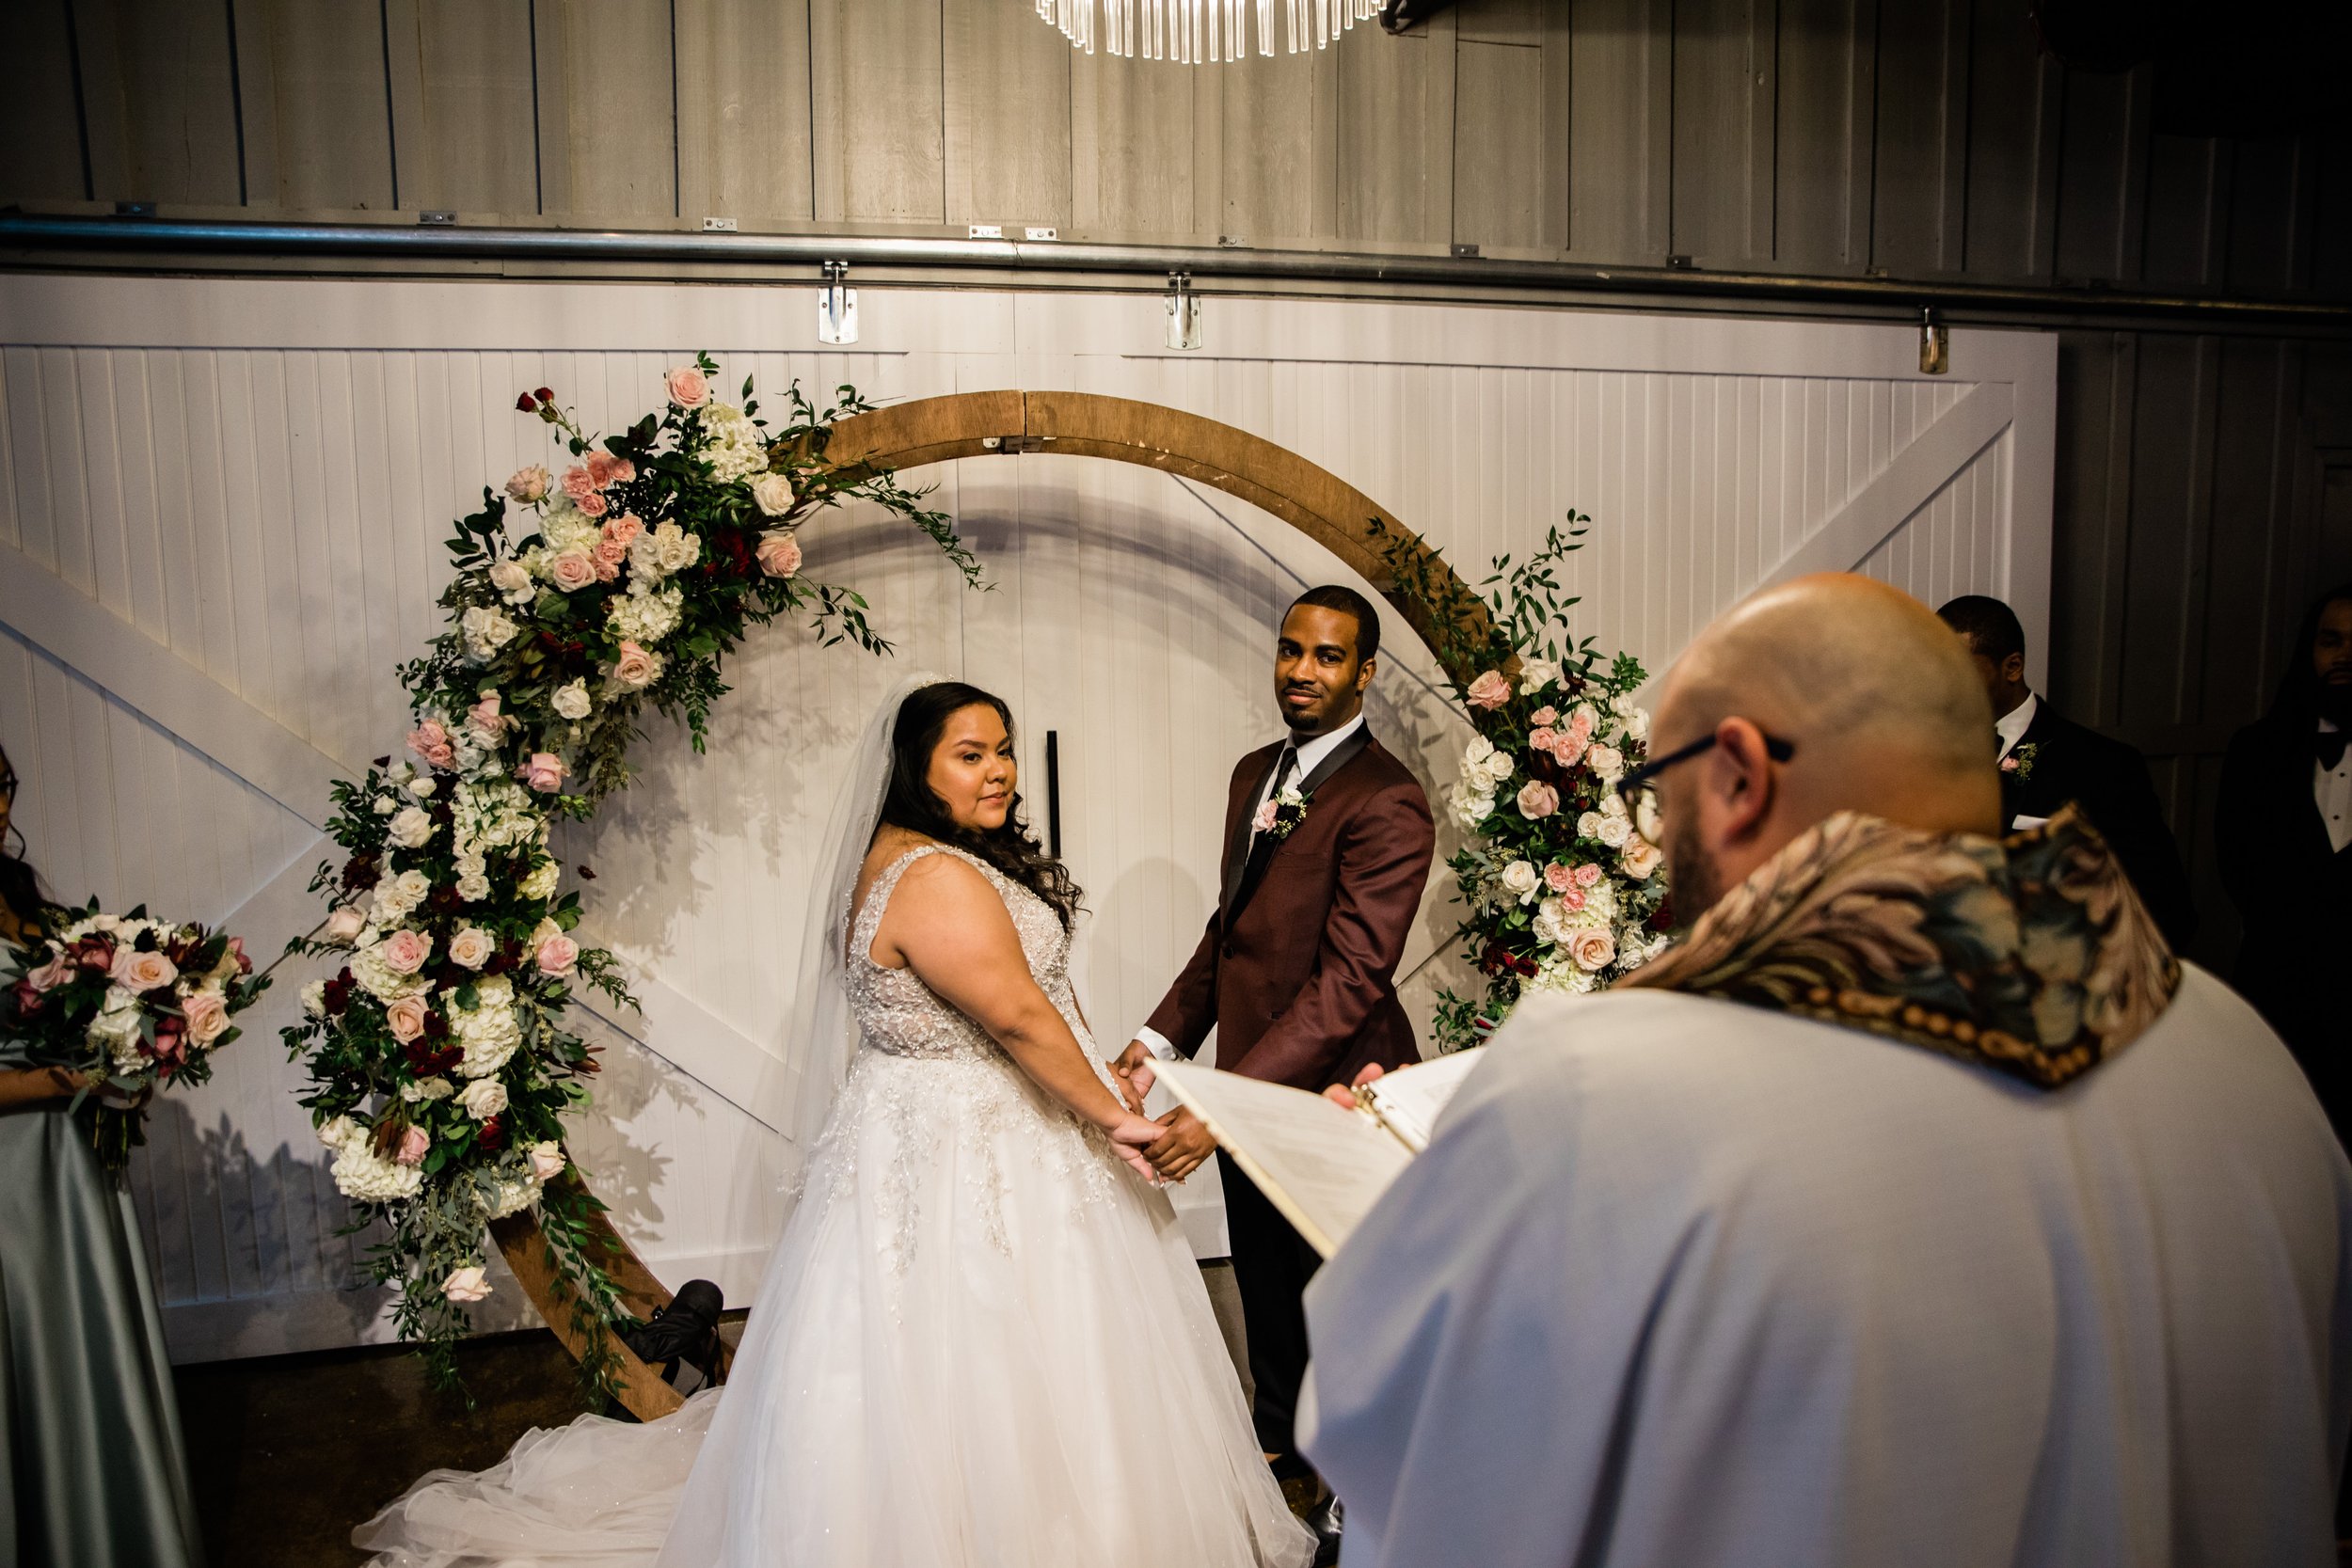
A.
x: 440, y: 1060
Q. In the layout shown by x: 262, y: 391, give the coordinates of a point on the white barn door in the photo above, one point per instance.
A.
x: 220, y: 507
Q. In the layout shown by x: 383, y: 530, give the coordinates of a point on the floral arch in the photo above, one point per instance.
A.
x: 438, y: 1054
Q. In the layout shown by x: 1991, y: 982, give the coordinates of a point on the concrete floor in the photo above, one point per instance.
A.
x: 288, y: 1453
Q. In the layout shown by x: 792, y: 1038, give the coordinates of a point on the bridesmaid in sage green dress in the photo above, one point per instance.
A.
x: 92, y: 1474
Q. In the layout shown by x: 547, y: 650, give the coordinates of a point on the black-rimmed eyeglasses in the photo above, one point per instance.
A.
x: 1632, y: 783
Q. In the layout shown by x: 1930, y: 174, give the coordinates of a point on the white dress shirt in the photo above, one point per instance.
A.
x: 2333, y: 791
x: 2011, y: 726
x: 1311, y: 755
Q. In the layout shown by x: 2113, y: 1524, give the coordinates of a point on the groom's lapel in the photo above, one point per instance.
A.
x: 1262, y: 854
x: 1237, y: 846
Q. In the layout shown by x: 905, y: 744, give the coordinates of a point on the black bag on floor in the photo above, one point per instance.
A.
x: 682, y: 1339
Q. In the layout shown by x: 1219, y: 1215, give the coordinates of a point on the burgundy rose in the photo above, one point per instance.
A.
x: 1664, y: 919
x: 338, y: 993
x: 437, y: 1026
x: 95, y: 953
x: 426, y: 1061
x: 543, y: 395
x: 493, y: 1134
x: 525, y: 405
x: 361, y: 873
x: 236, y: 945
x: 171, y: 1045
x: 27, y: 998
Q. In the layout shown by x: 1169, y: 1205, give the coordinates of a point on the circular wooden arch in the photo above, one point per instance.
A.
x: 1326, y: 509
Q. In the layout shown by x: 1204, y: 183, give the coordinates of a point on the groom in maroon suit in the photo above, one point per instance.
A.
x: 1327, y: 842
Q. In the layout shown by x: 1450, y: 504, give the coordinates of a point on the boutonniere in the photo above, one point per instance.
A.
x: 1281, y: 813
x: 2020, y: 761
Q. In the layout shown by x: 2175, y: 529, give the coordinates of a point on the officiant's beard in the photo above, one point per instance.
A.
x: 1693, y: 877
x: 2335, y: 702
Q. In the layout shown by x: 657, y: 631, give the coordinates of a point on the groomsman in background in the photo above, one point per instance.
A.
x: 2284, y: 831
x: 2047, y: 759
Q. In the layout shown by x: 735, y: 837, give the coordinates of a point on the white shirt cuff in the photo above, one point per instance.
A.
x: 1156, y: 1044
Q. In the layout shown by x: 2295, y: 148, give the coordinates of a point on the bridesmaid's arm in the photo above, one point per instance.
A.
x: 948, y: 925
x: 37, y: 1085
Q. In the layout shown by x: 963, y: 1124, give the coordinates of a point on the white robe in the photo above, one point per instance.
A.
x: 1685, y: 1283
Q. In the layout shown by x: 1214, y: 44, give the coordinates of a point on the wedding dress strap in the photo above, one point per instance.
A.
x: 878, y: 896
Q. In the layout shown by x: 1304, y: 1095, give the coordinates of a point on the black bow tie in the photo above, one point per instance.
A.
x: 2330, y: 748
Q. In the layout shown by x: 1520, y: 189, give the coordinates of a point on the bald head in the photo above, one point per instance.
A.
x: 1879, y: 699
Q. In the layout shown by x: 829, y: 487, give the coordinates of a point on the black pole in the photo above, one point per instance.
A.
x: 1052, y: 793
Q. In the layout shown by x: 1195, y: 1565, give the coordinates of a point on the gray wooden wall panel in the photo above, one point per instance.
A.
x: 315, y: 95
x: 1501, y: 165
x: 1007, y: 121
x: 1825, y: 109
x: 1396, y: 160
x: 1921, y: 138
x: 462, y: 111
x: 40, y: 115
x: 608, y: 108
x: 1621, y: 129
x: 879, y: 110
x: 159, y: 100
x: 1722, y: 93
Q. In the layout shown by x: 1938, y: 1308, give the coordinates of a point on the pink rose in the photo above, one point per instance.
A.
x: 27, y: 999
x: 2008, y: 763
x: 346, y: 922
x: 557, y: 953
x: 600, y: 468
x: 1542, y: 738
x: 529, y: 485
x: 544, y: 772
x: 429, y: 742
x: 622, y: 470
x: 1546, y: 714
x: 1559, y: 878
x: 406, y: 1017
x: 1537, y: 800
x: 485, y: 718
x: 779, y: 554
x: 236, y: 950
x: 607, y: 566
x: 1264, y: 821
x: 1589, y: 875
x: 687, y: 388
x: 207, y: 1016
x: 1592, y: 948
x: 1640, y: 857
x: 55, y: 973
x: 135, y: 971
x: 465, y: 1284
x: 1571, y: 900
x: 1489, y: 691
x: 1568, y: 749
x: 171, y: 1046
x: 547, y: 1161
x: 571, y: 570
x: 594, y: 505
x: 1580, y: 722
x: 579, y: 483
x: 622, y: 531
x: 413, y: 1143
x: 404, y: 951
x: 634, y: 668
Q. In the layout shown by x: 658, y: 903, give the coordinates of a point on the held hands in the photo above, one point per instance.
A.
x: 1131, y: 1135
x: 1133, y: 1067
x: 1182, y: 1144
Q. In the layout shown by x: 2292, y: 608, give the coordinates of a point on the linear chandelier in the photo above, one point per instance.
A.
x: 1192, y: 32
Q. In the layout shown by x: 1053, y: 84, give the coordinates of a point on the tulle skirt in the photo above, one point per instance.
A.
x: 982, y: 1341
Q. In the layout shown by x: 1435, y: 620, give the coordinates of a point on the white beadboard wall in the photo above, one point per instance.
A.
x: 247, y: 482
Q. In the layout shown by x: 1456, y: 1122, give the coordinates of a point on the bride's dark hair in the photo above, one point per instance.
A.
x: 911, y: 803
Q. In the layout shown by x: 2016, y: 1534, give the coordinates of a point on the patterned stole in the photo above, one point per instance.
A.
x: 2031, y: 955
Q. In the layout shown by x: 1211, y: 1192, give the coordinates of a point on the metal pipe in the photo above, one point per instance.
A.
x: 1699, y: 288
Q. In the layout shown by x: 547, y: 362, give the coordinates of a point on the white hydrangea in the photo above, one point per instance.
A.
x: 567, y: 528
x: 115, y: 1029
x: 362, y: 1175
x: 732, y: 445
x: 427, y: 1089
x: 486, y: 628
x: 493, y: 813
x: 1469, y: 806
x: 542, y: 881
x: 645, y: 618
x: 511, y: 1197
x: 663, y: 552
x: 314, y: 999
x: 1561, y: 974
x: 489, y: 1031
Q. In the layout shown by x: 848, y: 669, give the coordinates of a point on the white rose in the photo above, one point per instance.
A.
x: 314, y: 999
x: 512, y: 578
x: 421, y: 788
x: 483, y: 1099
x: 485, y: 629
x: 465, y: 1284
x: 1593, y: 949
x: 1615, y: 832
x: 1640, y: 857
x: 384, y: 805
x: 334, y: 1130
x: 542, y: 881
x: 427, y: 1089
x: 572, y: 700
x: 474, y: 886
x: 1499, y: 767
x: 679, y: 549
x: 1550, y: 924
x: 1536, y: 674
x: 772, y: 493
x: 410, y: 828
x: 1607, y: 762
x: 547, y: 1160
x: 1522, y: 879
x: 1588, y: 825
x: 471, y: 947
x: 1475, y: 756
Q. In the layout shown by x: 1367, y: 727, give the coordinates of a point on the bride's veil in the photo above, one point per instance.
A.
x: 821, y: 1036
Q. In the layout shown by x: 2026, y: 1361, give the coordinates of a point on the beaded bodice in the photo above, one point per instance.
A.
x: 901, y: 1016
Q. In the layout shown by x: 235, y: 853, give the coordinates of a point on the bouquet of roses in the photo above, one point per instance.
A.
x: 128, y: 1003
x: 1562, y: 880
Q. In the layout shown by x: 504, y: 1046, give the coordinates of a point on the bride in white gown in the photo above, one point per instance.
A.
x: 982, y: 1338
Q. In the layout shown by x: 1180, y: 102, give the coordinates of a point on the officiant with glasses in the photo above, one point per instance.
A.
x: 1916, y: 1207
x: 90, y: 1457
x: 2282, y: 827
